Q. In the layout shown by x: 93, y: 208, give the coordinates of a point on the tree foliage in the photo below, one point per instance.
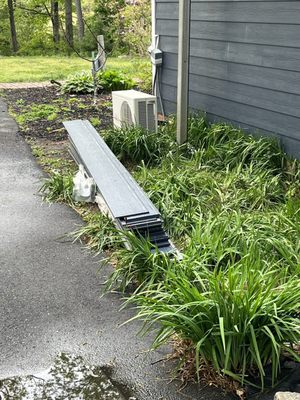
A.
x: 45, y: 27
x: 5, y: 48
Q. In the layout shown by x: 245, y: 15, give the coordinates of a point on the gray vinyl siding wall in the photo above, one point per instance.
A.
x: 244, y: 63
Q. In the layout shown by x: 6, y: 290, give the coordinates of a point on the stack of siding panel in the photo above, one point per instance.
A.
x: 128, y: 205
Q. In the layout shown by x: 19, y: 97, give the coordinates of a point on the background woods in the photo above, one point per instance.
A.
x: 34, y: 27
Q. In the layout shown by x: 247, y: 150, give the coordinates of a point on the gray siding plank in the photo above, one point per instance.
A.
x: 244, y: 64
x: 290, y: 145
x: 251, y: 54
x: 279, y: 12
x: 119, y: 189
x: 167, y: 11
x: 269, y: 34
x: 268, y: 78
x: 288, y: 104
x: 171, y: 107
x: 248, y: 115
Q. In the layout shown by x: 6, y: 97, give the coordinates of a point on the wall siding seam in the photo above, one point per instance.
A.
x: 239, y: 42
x: 238, y: 102
x: 235, y: 62
x: 234, y: 121
x: 233, y: 22
x: 230, y: 81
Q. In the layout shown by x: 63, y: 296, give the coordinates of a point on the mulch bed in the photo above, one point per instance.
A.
x: 19, y: 99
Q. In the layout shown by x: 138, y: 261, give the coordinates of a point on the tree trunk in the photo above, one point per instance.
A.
x: 69, y: 23
x: 80, y: 23
x: 55, y: 21
x: 13, y: 32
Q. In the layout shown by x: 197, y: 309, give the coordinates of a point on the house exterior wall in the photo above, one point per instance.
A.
x: 244, y: 63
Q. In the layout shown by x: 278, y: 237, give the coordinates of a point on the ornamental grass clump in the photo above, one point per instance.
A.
x: 222, y: 146
x: 138, y: 265
x: 240, y: 320
x: 136, y: 144
x: 58, y: 188
x: 185, y: 190
x: 98, y: 233
x: 269, y: 237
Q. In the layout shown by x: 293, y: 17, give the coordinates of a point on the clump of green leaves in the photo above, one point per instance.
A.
x: 83, y: 83
x: 58, y: 188
x: 99, y: 232
x: 79, y: 83
x: 109, y: 80
x: 136, y: 144
x: 139, y: 263
x: 240, y: 319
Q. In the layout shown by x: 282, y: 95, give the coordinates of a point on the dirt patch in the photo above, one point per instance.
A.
x: 41, y: 111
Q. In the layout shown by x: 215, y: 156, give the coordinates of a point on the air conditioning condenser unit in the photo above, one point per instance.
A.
x: 131, y: 107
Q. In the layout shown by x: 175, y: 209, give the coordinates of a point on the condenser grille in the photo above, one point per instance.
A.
x: 151, y: 116
x: 142, y: 116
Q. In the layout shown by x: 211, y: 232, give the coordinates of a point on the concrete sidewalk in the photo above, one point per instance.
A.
x: 49, y: 288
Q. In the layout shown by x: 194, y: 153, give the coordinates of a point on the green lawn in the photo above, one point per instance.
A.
x: 38, y: 69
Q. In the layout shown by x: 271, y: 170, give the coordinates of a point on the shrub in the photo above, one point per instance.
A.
x: 109, y: 21
x: 144, y: 80
x: 82, y: 82
x: 112, y: 80
x: 79, y: 83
